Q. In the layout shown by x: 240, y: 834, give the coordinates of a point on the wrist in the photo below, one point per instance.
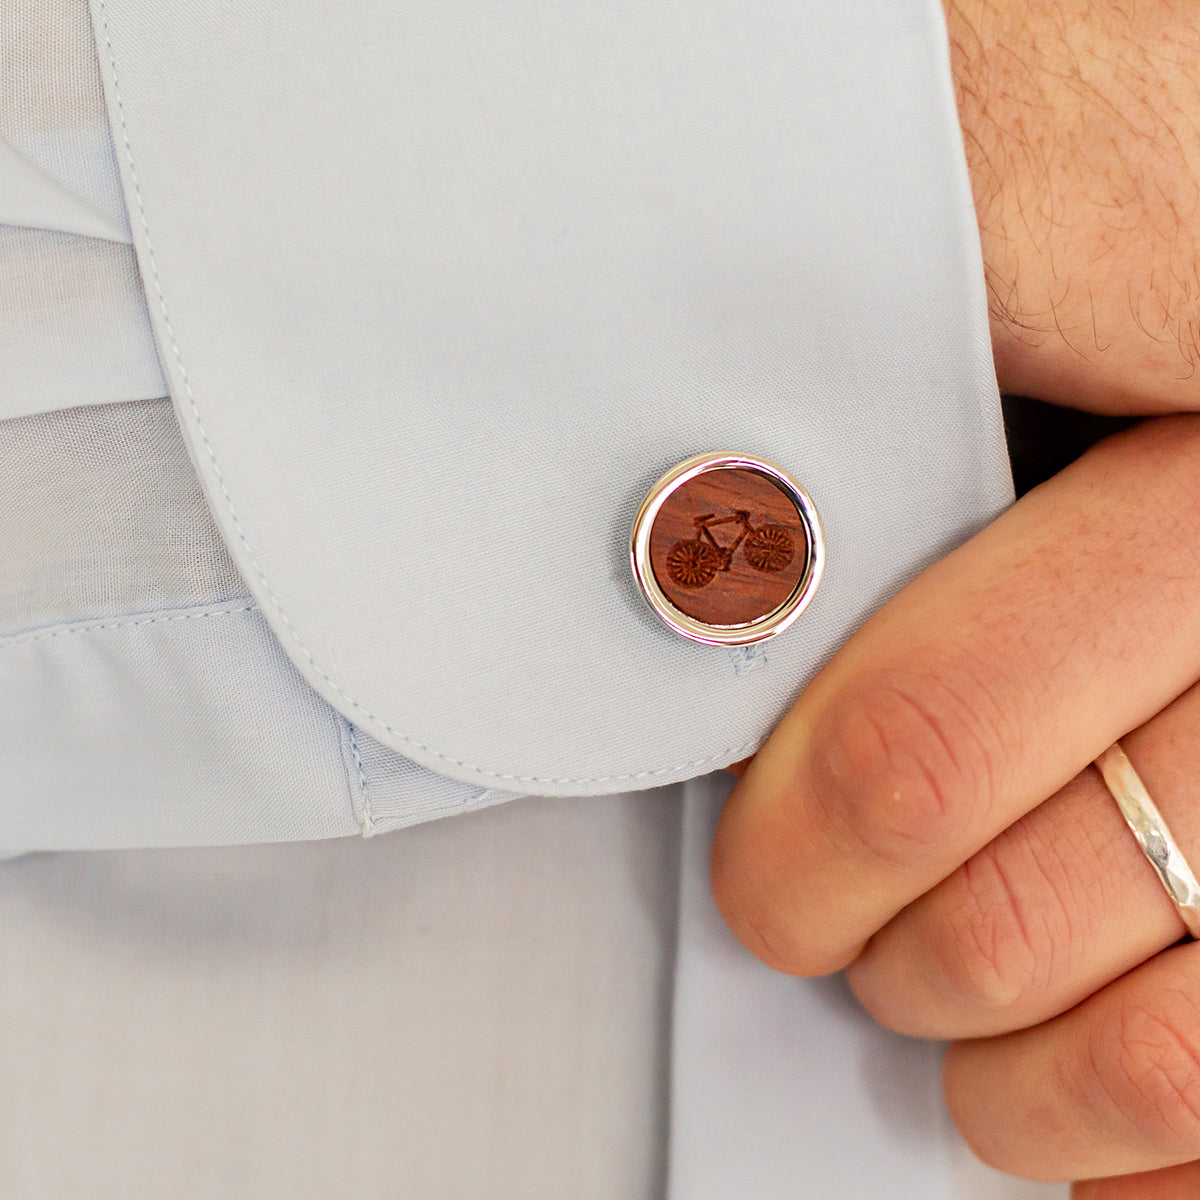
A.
x: 1083, y: 164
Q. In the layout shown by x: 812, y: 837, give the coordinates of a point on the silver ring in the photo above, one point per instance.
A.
x: 1147, y: 825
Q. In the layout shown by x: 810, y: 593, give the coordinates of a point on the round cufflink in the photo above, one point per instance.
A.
x: 727, y: 549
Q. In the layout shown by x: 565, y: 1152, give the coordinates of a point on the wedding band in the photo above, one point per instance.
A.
x: 1147, y: 825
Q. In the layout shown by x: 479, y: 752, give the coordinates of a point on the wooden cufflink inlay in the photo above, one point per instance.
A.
x: 727, y: 549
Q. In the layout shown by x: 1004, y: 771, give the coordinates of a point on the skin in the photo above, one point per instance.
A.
x: 1080, y: 126
x: 925, y: 816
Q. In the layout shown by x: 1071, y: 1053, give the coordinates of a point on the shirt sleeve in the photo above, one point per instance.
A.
x: 437, y: 295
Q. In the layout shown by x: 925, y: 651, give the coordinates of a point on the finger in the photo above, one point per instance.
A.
x: 1111, y: 1087
x: 1060, y: 904
x: 1171, y: 1183
x: 981, y: 689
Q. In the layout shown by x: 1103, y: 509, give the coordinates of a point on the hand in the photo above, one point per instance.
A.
x: 897, y: 820
x: 926, y: 815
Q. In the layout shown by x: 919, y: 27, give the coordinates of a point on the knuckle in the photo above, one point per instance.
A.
x: 1147, y: 1063
x: 739, y: 901
x: 760, y: 921
x: 760, y: 932
x: 993, y: 956
x: 903, y: 762
x: 1013, y: 922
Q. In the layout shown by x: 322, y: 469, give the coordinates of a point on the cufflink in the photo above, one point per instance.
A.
x: 727, y: 549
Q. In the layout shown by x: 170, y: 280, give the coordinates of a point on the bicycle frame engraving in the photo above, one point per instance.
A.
x: 727, y: 549
x: 694, y: 563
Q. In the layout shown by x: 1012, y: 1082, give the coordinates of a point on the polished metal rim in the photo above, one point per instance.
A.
x: 758, y: 630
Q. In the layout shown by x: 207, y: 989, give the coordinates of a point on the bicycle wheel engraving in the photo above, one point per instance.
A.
x: 693, y: 564
x: 769, y: 548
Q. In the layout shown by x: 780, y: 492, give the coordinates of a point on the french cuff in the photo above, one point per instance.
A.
x: 189, y: 727
x: 440, y: 294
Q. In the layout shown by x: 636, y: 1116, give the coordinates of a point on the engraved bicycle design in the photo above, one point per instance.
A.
x: 694, y: 563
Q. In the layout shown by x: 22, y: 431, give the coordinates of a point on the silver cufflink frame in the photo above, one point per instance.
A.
x: 770, y: 624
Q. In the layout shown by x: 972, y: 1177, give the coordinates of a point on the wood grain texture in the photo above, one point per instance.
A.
x: 728, y: 547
